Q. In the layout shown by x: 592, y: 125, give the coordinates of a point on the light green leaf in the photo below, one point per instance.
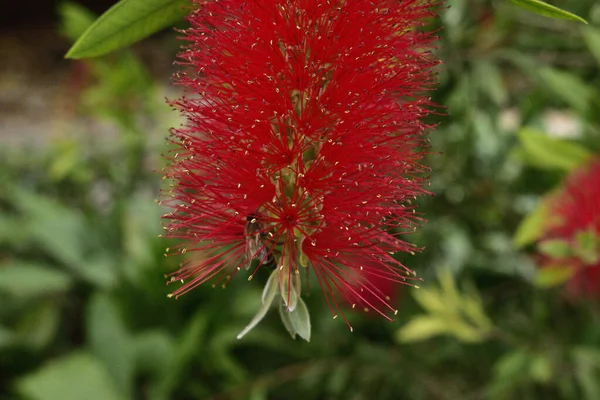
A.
x: 540, y: 368
x: 489, y: 76
x: 532, y: 226
x: 472, y: 306
x: 125, y: 23
x: 65, y: 235
x: 431, y: 300
x: 182, y: 356
x: 6, y: 337
x: 74, y: 377
x: 39, y: 326
x: 548, y: 153
x: 270, y: 291
x: 153, y: 352
x: 555, y: 248
x: 109, y: 340
x: 299, y: 319
x: 25, y: 279
x: 552, y: 276
x: 509, y: 370
x: 567, y: 86
x: 592, y: 38
x: 75, y: 19
x: 271, y: 287
x: 422, y: 327
x: 587, y: 368
x: 547, y: 10
x: 463, y: 331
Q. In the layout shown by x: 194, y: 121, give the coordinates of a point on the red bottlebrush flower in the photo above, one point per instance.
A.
x: 575, y: 226
x: 303, y: 142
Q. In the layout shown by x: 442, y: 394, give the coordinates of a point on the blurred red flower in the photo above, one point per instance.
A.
x: 304, y: 137
x: 575, y: 221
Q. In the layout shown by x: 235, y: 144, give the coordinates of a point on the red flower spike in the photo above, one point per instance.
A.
x: 575, y: 215
x: 307, y: 114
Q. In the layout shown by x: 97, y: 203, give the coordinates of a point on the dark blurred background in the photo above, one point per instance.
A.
x: 83, y: 306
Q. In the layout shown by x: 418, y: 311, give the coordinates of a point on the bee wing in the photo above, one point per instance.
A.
x: 252, y: 248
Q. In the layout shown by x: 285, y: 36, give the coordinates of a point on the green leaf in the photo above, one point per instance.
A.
x: 299, y: 319
x: 25, y: 279
x: 182, y: 356
x: 74, y: 377
x: 110, y: 341
x: 556, y: 248
x: 153, y: 352
x: 125, y: 23
x: 548, y: 153
x: 270, y: 291
x: 587, y: 368
x: 65, y: 234
x: 532, y: 226
x: 431, y: 300
x: 7, y: 337
x: 464, y: 331
x: 552, y: 276
x: 509, y: 371
x: 592, y: 38
x: 39, y: 326
x: 422, y: 327
x: 540, y: 368
x: 567, y: 86
x: 547, y: 10
x: 74, y: 19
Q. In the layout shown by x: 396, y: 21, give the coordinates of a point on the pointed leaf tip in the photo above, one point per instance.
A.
x: 547, y: 10
x: 126, y: 23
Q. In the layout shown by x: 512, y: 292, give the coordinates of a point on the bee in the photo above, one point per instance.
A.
x: 255, y: 243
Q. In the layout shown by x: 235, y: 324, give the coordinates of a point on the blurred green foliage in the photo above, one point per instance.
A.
x: 84, y: 312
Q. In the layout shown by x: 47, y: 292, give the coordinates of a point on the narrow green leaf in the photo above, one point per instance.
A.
x: 541, y: 368
x: 552, y: 276
x: 153, y: 352
x: 270, y: 289
x: 532, y: 226
x: 7, y: 337
x: 422, y: 327
x: 125, y: 23
x: 74, y: 19
x: 39, y: 326
x: 431, y: 300
x: 186, y: 351
x: 463, y: 331
x: 587, y: 365
x: 25, y: 279
x: 556, y: 248
x: 592, y: 38
x: 74, y: 377
x: 110, y: 341
x: 269, y: 293
x: 567, y: 86
x: 545, y: 152
x: 547, y: 10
